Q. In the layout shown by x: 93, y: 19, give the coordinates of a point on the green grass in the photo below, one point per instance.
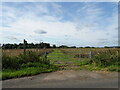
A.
x: 33, y: 68
x: 19, y: 66
x: 28, y: 70
x: 82, y: 63
x: 0, y: 75
x: 57, y: 55
x: 98, y: 68
x: 113, y: 68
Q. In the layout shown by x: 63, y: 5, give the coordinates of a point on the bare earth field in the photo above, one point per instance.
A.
x: 66, y: 79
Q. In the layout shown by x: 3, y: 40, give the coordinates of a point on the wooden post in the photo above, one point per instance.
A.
x: 90, y: 54
x: 45, y: 57
x: 117, y: 52
x: 79, y: 55
x: 24, y: 47
x: 44, y: 53
x: 0, y: 60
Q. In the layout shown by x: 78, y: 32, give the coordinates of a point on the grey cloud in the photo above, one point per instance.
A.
x: 116, y: 28
x: 102, y: 39
x: 102, y: 43
x: 12, y: 38
x: 6, y: 25
x: 40, y: 31
x: 107, y: 33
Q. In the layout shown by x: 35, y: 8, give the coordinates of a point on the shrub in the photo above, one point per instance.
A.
x: 81, y: 56
x: 30, y: 56
x: 105, y: 59
x: 15, y: 62
x: 35, y: 64
x: 10, y: 62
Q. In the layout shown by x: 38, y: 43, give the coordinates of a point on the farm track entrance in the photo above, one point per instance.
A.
x: 65, y: 62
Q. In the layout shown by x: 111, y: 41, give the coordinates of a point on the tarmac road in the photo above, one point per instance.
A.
x: 66, y: 79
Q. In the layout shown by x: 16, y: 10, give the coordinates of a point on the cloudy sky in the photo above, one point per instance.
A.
x: 75, y: 23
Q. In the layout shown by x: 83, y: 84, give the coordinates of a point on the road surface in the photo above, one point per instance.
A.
x: 66, y: 79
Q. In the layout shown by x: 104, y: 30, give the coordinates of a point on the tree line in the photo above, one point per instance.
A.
x: 32, y: 45
x: 41, y: 45
x: 27, y: 46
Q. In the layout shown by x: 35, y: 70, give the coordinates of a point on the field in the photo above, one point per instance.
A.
x: 88, y: 58
x: 36, y: 61
x: 17, y: 64
x: 15, y: 52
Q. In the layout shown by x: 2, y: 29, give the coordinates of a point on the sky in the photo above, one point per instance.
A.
x: 61, y: 23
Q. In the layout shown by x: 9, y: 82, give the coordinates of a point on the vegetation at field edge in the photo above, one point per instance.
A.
x: 36, y: 61
x: 102, y: 61
x: 25, y: 65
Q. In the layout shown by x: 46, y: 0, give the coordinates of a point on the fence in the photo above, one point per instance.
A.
x: 89, y: 53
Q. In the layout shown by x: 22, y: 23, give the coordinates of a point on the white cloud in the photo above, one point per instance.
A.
x: 94, y: 26
x: 57, y: 8
x: 61, y: 1
x: 81, y: 31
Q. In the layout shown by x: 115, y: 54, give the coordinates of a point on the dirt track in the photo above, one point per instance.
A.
x: 66, y: 79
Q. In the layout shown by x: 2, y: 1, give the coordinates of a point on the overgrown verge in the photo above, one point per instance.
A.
x: 105, y: 60
x: 25, y: 65
x: 28, y: 69
x: 108, y: 61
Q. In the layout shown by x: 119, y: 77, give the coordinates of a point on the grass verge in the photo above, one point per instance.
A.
x: 82, y: 63
x: 57, y: 55
x: 28, y: 70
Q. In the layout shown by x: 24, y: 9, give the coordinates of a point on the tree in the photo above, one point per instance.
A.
x: 106, y: 47
x: 25, y: 45
x: 87, y: 47
x: 54, y: 46
x: 63, y: 46
x: 73, y: 46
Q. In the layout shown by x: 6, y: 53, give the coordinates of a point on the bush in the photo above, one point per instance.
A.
x: 10, y: 62
x: 105, y: 59
x: 35, y: 64
x: 30, y: 56
x: 81, y: 56
x: 15, y: 62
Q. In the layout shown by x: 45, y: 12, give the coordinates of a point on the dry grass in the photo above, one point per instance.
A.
x: 15, y: 52
x: 71, y: 51
x: 86, y: 51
